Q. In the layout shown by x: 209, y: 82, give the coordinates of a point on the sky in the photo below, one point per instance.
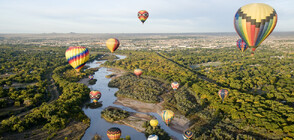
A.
x: 120, y: 16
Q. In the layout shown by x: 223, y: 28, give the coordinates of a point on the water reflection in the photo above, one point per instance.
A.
x: 98, y: 125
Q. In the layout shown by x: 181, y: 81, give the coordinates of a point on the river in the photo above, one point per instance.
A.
x: 98, y: 125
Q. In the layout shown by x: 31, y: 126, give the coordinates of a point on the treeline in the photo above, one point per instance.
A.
x: 269, y: 72
x: 182, y: 100
x: 154, y: 65
x: 112, y: 114
x: 24, y: 75
x: 144, y: 88
x: 249, y: 115
x: 58, y: 114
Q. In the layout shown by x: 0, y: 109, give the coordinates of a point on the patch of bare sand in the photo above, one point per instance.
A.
x: 85, y: 81
x: 73, y: 131
x: 136, y: 121
x: 179, y: 123
x: 116, y: 72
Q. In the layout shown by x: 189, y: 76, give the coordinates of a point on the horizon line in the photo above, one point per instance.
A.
x: 135, y: 33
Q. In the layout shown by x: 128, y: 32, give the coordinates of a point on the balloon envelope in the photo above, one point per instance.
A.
x: 167, y: 116
x: 175, y: 85
x: 187, y: 135
x: 138, y: 72
x: 223, y: 93
x: 77, y: 57
x: 91, y: 77
x: 143, y: 15
x: 95, y: 94
x: 153, y: 137
x: 112, y: 44
x: 242, y: 46
x: 153, y: 122
x: 114, y: 133
x: 255, y: 22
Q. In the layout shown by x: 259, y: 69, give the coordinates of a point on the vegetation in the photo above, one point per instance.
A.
x: 93, y: 81
x: 112, y: 114
x: 110, y: 75
x: 260, y: 102
x: 144, y: 88
x: 52, y: 116
x: 93, y: 105
x: 182, y: 100
x: 25, y: 76
x: 157, y: 131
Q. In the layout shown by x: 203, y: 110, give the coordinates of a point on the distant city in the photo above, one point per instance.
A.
x: 156, y: 41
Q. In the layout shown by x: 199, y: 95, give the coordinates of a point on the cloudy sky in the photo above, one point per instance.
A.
x: 120, y: 16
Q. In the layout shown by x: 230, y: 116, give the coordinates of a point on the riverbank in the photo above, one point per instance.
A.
x: 85, y: 81
x: 116, y: 72
x: 136, y: 121
x: 179, y: 123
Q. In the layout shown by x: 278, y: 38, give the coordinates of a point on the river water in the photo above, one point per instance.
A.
x: 98, y: 125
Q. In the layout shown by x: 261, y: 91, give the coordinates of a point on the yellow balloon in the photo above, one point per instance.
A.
x: 112, y: 44
x: 153, y: 122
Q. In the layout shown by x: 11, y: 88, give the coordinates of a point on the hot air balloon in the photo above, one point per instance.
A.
x: 153, y: 137
x: 138, y: 72
x: 254, y: 23
x: 241, y: 45
x: 91, y: 77
x: 187, y: 135
x: 114, y: 133
x: 143, y: 15
x: 77, y: 56
x: 175, y: 85
x: 154, y: 123
x: 112, y: 44
x: 95, y: 94
x: 167, y: 116
x: 223, y: 93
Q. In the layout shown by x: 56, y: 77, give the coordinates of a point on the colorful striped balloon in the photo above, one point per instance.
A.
x: 241, y: 45
x: 112, y: 44
x: 143, y: 15
x: 223, y: 93
x: 91, y: 77
x: 77, y: 57
x: 255, y: 22
x: 114, y: 133
x: 167, y: 116
x: 187, y: 135
x: 175, y: 85
x: 138, y: 72
x: 153, y: 137
x: 95, y: 94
